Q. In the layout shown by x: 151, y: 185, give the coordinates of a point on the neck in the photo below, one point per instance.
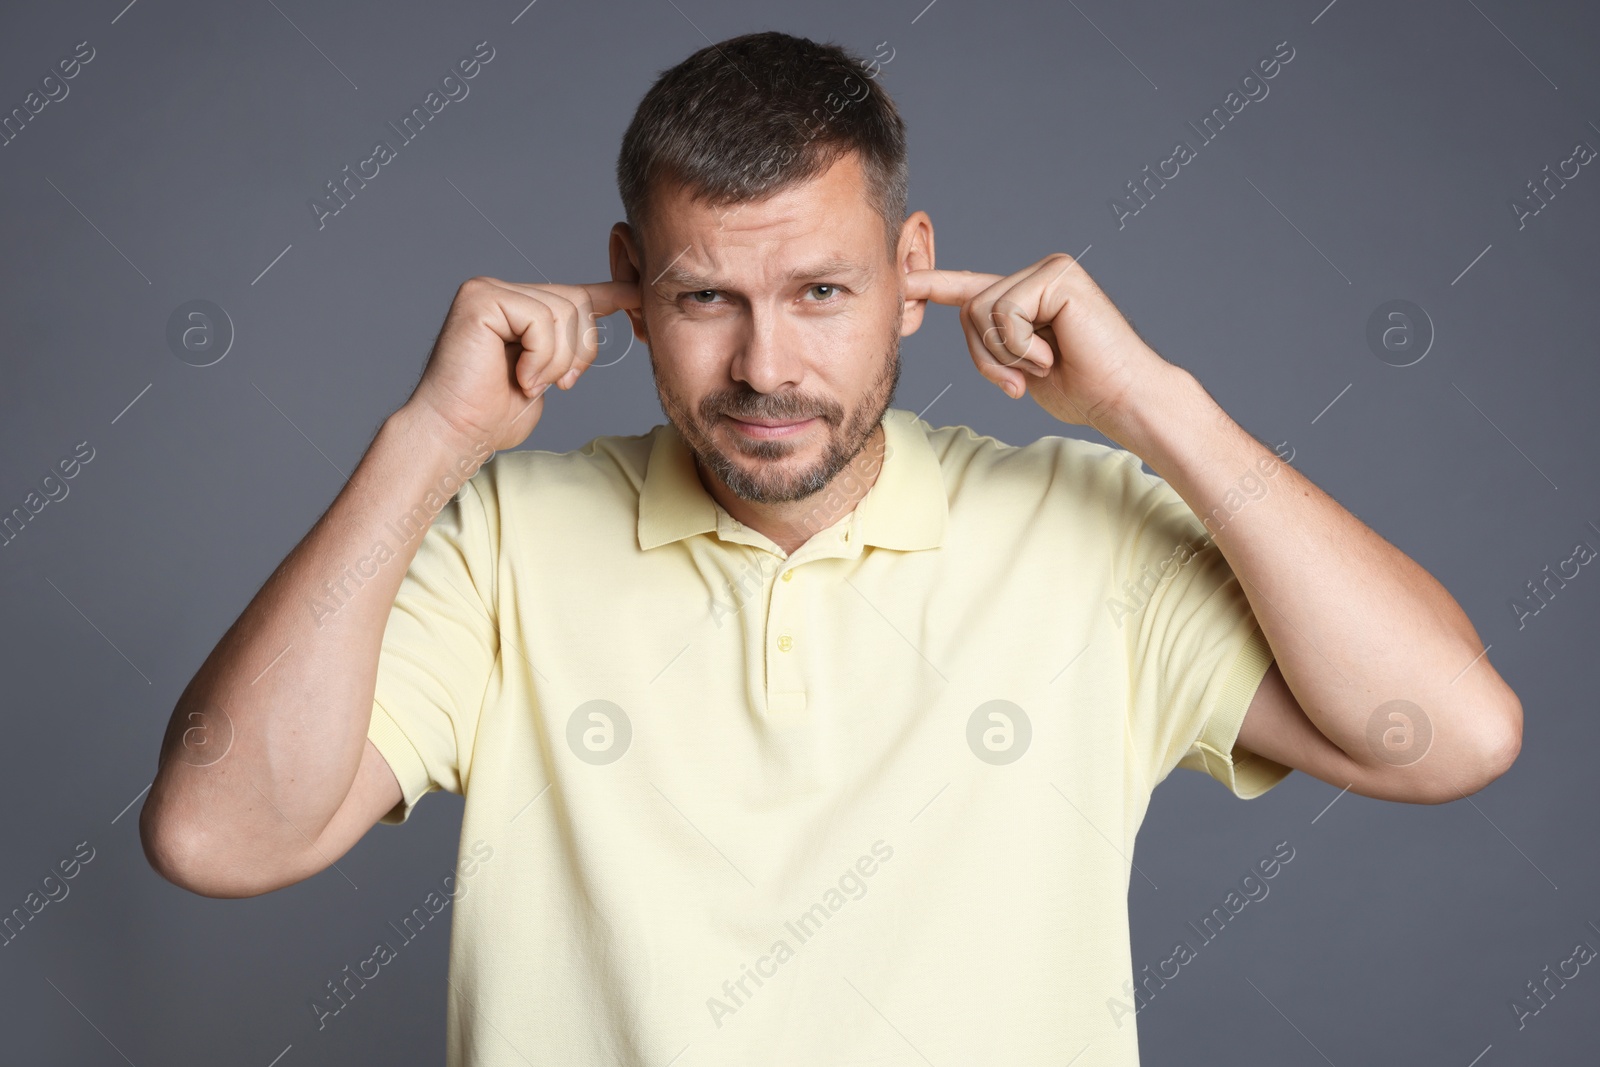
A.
x: 792, y: 523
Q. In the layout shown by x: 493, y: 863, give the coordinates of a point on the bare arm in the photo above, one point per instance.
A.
x: 1376, y: 665
x: 266, y: 775
x: 266, y: 740
x: 1380, y: 681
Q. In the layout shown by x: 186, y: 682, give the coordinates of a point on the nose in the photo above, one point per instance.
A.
x: 769, y: 357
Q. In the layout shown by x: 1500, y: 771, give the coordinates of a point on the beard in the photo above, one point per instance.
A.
x: 847, y: 432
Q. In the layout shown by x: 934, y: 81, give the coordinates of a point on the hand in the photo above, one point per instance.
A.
x: 503, y: 344
x: 1050, y: 330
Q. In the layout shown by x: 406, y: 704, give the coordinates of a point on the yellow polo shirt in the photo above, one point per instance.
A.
x: 871, y: 802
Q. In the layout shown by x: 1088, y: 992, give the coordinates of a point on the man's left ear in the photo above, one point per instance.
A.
x: 915, y: 252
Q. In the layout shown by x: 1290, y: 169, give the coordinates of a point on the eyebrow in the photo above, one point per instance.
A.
x: 835, y: 267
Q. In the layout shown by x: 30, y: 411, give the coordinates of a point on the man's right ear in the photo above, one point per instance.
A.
x: 626, y: 261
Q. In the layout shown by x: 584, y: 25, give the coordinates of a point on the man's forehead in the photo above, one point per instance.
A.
x: 825, y: 226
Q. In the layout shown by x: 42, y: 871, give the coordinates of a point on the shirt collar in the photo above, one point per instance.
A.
x: 906, y: 508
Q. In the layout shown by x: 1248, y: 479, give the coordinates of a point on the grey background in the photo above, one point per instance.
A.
x: 181, y: 163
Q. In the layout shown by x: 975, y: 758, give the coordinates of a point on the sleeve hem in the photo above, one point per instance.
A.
x: 1245, y: 773
x: 396, y: 748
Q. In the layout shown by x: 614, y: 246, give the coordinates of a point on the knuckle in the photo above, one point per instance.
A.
x: 475, y: 292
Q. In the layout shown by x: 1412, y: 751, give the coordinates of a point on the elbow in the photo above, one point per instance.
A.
x: 1504, y: 741
x: 1500, y: 743
x: 186, y: 858
x: 171, y: 851
x: 165, y: 848
x: 1470, y: 768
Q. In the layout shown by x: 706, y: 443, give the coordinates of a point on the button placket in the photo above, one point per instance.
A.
x: 785, y: 679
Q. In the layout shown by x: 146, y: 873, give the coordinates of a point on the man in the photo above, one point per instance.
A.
x: 796, y: 730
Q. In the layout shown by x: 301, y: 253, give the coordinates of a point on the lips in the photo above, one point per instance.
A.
x: 772, y: 428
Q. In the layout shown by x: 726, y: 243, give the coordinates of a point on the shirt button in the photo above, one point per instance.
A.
x: 785, y: 643
x: 787, y: 575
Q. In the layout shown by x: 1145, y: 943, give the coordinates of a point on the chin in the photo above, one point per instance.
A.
x: 778, y: 480
x: 771, y: 481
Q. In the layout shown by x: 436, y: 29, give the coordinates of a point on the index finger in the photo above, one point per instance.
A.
x: 603, y: 298
x: 952, y: 287
x: 608, y: 297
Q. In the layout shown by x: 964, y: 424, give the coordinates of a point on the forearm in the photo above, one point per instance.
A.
x: 265, y: 741
x: 1352, y: 621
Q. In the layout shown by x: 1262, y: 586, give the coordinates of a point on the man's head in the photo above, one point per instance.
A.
x: 764, y: 182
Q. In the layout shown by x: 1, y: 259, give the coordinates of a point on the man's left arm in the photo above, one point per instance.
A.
x: 1379, y: 681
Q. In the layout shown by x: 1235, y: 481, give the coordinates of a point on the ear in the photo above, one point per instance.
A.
x: 915, y: 252
x: 626, y: 263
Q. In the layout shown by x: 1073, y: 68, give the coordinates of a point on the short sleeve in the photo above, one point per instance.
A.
x: 439, y: 645
x: 1196, y: 653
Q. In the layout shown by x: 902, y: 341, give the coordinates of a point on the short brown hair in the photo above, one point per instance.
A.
x: 743, y: 118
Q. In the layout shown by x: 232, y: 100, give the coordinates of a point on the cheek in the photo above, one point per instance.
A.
x: 854, y: 368
x: 843, y: 349
x: 690, y: 344
x: 861, y: 326
x: 691, y: 357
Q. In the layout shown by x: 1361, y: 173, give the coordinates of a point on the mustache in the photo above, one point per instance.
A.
x: 752, y: 405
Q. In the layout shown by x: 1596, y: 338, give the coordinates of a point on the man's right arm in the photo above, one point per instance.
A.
x: 265, y: 774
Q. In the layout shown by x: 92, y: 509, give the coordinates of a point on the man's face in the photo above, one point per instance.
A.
x: 774, y: 330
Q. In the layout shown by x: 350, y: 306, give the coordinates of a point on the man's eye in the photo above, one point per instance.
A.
x: 695, y: 296
x: 832, y: 290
